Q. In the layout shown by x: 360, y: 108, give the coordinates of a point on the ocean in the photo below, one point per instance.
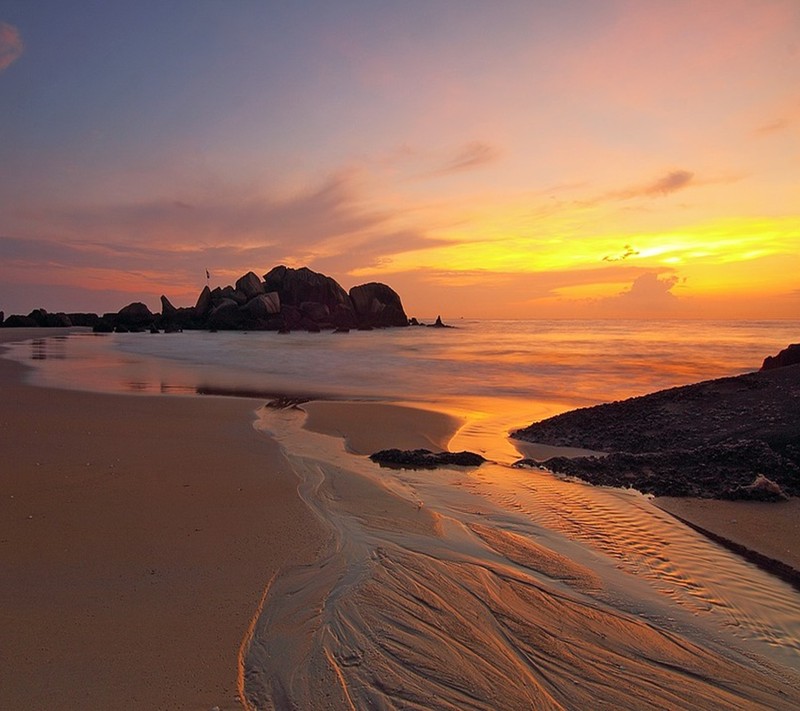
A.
x: 588, y: 555
x: 519, y: 364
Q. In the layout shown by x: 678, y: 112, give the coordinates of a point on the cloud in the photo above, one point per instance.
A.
x: 169, y: 243
x: 651, y: 289
x: 665, y: 185
x: 649, y: 296
x: 472, y: 155
x: 627, y: 252
x: 11, y: 46
x: 289, y: 224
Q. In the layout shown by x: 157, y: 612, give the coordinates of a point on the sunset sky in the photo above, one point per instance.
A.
x: 541, y: 158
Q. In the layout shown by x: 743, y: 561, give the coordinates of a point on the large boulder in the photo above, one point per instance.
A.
x: 296, y: 286
x: 2, y: 317
x: 135, y: 315
x: 250, y: 285
x: 229, y: 292
x: 84, y: 319
x: 226, y: 315
x: 168, y: 311
x: 203, y: 305
x: 377, y: 304
x: 19, y: 321
x: 315, y: 311
x: 39, y: 316
x: 263, y: 306
x: 59, y: 320
x: 788, y: 356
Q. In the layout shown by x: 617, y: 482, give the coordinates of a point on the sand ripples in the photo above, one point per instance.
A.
x: 463, y: 591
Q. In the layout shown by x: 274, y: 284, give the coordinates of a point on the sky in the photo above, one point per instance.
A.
x: 533, y: 159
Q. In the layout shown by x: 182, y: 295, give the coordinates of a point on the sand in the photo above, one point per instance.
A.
x: 137, y: 535
x: 142, y: 534
x: 367, y: 427
x: 409, y: 608
x: 770, y: 529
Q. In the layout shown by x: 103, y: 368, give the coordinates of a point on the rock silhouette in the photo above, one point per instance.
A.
x: 285, y: 299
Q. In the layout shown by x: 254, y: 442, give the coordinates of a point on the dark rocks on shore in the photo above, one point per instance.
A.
x: 376, y: 304
x: 292, y: 299
x: 788, y: 356
x: 135, y: 315
x: 285, y: 299
x: 38, y: 318
x: 717, y: 439
x: 425, y: 459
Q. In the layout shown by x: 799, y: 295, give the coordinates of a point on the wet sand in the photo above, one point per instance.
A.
x: 416, y: 605
x: 137, y: 535
x: 771, y: 529
x: 367, y: 427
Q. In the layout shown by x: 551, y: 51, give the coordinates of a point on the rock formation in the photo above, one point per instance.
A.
x: 285, y: 299
x: 732, y: 438
x: 788, y: 356
x: 425, y: 459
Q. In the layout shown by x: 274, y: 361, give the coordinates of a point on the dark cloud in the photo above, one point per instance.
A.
x: 472, y: 155
x: 11, y: 45
x: 627, y: 252
x: 665, y: 185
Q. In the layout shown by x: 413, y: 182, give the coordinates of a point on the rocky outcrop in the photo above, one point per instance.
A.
x: 713, y: 439
x: 286, y: 299
x: 440, y: 324
x: 38, y: 318
x: 378, y: 305
x: 134, y: 316
x: 249, y: 285
x: 84, y: 319
x: 19, y: 321
x: 293, y: 299
x: 203, y: 305
x: 788, y: 356
x: 296, y: 286
x: 425, y: 459
x: 746, y: 469
x: 47, y: 320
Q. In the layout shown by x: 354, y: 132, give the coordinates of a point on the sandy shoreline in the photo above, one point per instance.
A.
x: 770, y: 529
x: 140, y: 533
x: 136, y: 537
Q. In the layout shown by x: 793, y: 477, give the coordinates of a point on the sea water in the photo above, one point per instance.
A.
x: 497, y: 375
x: 573, y: 363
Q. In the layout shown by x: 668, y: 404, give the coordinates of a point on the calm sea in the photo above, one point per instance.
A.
x: 509, y: 371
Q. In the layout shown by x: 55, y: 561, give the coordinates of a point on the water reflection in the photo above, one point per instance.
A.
x: 49, y: 348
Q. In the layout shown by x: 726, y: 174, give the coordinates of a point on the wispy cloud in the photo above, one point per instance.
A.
x: 11, y: 45
x: 169, y: 242
x: 627, y: 252
x: 665, y: 185
x: 474, y: 154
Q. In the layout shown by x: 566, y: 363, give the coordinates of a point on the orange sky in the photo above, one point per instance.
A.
x: 533, y: 159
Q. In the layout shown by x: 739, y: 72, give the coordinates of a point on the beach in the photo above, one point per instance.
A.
x: 199, y: 552
x: 137, y: 536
